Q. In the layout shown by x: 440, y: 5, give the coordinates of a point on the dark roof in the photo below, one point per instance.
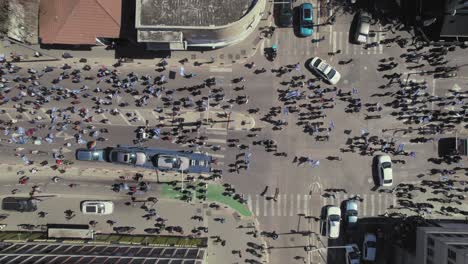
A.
x: 78, y: 21
x: 191, y: 13
x: 455, y: 26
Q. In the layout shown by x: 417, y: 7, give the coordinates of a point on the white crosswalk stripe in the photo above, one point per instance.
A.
x: 340, y: 41
x: 291, y: 205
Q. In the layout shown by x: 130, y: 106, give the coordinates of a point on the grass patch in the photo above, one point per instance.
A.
x: 215, y: 194
x: 168, y: 192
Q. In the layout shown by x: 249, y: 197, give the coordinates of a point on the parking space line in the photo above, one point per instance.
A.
x: 105, y: 117
x: 125, y: 119
x: 45, y: 113
x: 25, y: 114
x: 9, y: 116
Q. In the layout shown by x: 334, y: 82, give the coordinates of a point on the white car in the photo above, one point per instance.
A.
x: 385, y: 170
x: 369, y: 247
x: 353, y: 256
x: 97, y: 207
x: 325, y: 70
x: 333, y: 222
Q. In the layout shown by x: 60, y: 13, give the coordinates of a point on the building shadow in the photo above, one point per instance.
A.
x: 128, y: 46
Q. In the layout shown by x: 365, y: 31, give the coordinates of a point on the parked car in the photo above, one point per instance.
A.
x: 385, y: 170
x: 353, y: 255
x: 90, y: 155
x: 170, y: 162
x: 333, y: 222
x: 362, y: 27
x: 306, y: 22
x: 452, y: 146
x: 369, y: 247
x: 20, y: 204
x: 284, y: 14
x: 351, y: 213
x: 325, y: 71
x: 97, y: 207
x: 124, y: 156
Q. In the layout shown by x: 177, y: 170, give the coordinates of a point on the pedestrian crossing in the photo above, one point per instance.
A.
x: 336, y: 41
x: 291, y: 205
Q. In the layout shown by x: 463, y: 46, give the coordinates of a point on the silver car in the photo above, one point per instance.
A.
x: 362, y: 28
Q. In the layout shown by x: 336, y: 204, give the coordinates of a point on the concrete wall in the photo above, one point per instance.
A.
x: 216, y: 37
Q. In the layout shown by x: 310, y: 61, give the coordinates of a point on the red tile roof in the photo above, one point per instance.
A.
x: 78, y: 21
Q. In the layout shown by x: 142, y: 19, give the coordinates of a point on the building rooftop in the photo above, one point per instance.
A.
x: 78, y: 21
x: 190, y: 13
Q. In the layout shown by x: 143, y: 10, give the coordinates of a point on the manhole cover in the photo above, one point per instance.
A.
x: 237, y: 56
x: 193, y: 56
x: 199, y: 210
x: 243, y: 52
x: 292, y: 239
x: 221, y: 56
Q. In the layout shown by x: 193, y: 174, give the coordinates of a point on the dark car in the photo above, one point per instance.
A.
x: 285, y: 14
x: 90, y: 155
x: 20, y: 204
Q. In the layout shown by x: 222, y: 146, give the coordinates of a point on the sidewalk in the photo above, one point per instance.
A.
x: 224, y: 57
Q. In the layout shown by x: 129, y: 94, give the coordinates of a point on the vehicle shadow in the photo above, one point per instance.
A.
x: 375, y: 172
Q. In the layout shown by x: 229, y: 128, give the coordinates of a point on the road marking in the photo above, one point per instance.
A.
x: 340, y: 42
x: 306, y: 204
x: 381, y: 38
x: 380, y: 204
x: 262, y: 47
x: 265, y: 207
x: 215, y: 128
x: 219, y: 69
x: 105, y: 117
x: 279, y: 204
x: 372, y: 205
x: 330, y: 38
x: 142, y: 119
x: 125, y: 119
x: 291, y: 205
x: 394, y: 201
x: 272, y: 208
x: 376, y: 39
x: 364, y: 205
x: 26, y: 115
x: 298, y: 204
x: 221, y: 133
x: 216, y: 140
x: 347, y: 43
x: 9, y: 116
x: 433, y: 93
x: 285, y: 203
x: 45, y: 113
x: 257, y: 205
x: 334, y: 42
x: 249, y: 202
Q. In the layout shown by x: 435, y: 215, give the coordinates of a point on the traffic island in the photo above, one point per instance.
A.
x: 207, y: 192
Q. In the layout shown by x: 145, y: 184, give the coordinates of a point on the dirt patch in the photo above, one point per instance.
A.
x: 19, y: 19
